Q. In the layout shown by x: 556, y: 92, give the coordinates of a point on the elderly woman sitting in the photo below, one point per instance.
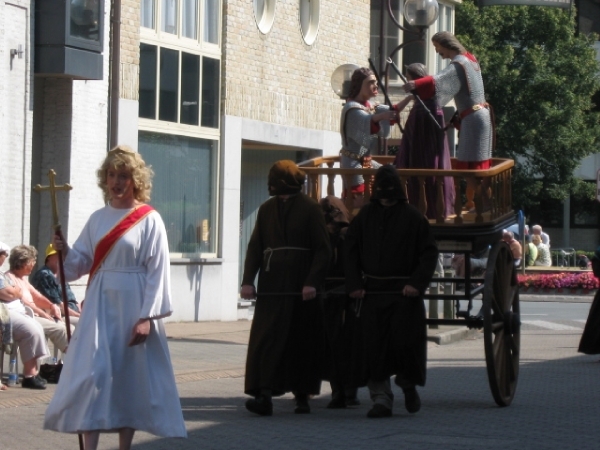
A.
x: 22, y: 261
x: 544, y: 258
x: 27, y: 333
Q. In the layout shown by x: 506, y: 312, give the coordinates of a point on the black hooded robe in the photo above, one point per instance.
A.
x: 384, y: 243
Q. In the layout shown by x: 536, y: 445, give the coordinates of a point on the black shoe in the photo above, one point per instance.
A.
x: 33, y: 383
x: 302, y: 406
x: 352, y: 401
x: 337, y: 402
x: 42, y: 380
x: 260, y: 405
x: 378, y: 411
x: 412, y: 401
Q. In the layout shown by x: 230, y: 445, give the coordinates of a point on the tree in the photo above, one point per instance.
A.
x: 540, y: 77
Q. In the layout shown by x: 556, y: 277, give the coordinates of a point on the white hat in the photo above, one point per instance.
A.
x: 4, y: 248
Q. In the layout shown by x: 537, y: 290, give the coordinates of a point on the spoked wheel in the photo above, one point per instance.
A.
x: 501, y: 324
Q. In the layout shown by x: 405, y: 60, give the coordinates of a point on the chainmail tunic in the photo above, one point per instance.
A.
x: 355, y: 128
x: 462, y: 81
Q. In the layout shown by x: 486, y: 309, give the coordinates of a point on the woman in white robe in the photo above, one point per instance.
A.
x: 117, y: 374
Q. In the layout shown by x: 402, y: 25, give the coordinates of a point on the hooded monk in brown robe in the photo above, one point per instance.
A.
x: 289, y: 249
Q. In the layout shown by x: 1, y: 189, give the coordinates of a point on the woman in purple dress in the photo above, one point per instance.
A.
x: 425, y: 146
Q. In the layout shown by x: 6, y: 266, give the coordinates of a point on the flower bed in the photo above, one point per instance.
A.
x: 559, y: 281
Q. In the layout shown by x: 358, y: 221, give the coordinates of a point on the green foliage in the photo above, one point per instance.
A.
x: 540, y: 78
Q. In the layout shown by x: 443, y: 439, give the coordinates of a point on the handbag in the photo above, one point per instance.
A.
x: 51, y: 372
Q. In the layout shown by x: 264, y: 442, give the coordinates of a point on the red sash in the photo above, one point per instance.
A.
x: 105, y: 245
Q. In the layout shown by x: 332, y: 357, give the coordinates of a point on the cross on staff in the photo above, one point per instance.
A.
x: 52, y: 187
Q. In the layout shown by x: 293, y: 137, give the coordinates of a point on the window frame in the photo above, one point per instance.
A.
x: 155, y: 34
x: 155, y: 37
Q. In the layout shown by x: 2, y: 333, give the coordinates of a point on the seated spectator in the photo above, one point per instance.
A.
x: 46, y: 281
x: 531, y: 252
x: 26, y: 332
x: 515, y: 246
x: 478, y: 263
x: 537, y: 230
x: 22, y: 260
x: 544, y: 258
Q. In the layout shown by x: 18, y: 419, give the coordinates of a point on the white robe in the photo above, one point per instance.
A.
x: 105, y: 384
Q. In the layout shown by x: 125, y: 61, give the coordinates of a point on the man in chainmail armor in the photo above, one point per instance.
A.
x: 461, y: 81
x: 361, y: 124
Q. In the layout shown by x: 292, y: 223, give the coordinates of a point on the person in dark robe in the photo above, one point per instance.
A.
x: 424, y: 145
x: 590, y: 340
x: 289, y: 250
x: 390, y: 260
x: 341, y: 323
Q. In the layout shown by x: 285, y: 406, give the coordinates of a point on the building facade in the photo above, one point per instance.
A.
x: 210, y: 92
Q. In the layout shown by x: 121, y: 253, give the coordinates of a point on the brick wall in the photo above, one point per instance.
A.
x: 130, y: 49
x: 276, y: 77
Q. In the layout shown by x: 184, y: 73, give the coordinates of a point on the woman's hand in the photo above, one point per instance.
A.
x: 391, y: 114
x: 409, y: 86
x: 140, y: 332
x: 60, y: 244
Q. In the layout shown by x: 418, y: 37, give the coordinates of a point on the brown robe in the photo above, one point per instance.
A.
x: 286, y: 338
x: 391, y: 242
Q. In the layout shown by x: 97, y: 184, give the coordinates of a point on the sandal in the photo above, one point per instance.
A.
x: 3, y: 387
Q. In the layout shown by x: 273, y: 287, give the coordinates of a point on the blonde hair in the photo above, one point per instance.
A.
x: 123, y: 157
x: 536, y: 239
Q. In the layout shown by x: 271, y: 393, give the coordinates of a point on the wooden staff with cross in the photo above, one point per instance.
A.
x: 53, y: 188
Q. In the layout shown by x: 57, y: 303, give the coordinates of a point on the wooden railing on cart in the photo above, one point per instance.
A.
x: 492, y: 194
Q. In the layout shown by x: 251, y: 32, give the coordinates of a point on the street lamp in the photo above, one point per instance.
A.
x: 419, y: 14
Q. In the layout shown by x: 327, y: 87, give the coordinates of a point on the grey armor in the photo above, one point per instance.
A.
x: 357, y: 140
x: 462, y: 81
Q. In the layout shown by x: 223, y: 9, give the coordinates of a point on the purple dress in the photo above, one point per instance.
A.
x: 425, y: 146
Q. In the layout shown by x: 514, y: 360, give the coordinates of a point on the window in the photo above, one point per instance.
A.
x: 169, y: 16
x: 444, y: 23
x: 309, y: 20
x: 173, y: 85
x: 183, y: 188
x: 392, y: 35
x: 189, y: 20
x: 84, y: 19
x: 211, y: 21
x: 264, y: 14
x: 148, y: 59
x: 197, y: 20
x: 147, y: 8
x: 179, y: 110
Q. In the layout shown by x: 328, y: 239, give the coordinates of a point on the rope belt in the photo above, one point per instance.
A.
x: 473, y: 108
x: 268, y: 252
x: 385, y: 278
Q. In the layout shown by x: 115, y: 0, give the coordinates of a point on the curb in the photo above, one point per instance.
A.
x: 448, y: 337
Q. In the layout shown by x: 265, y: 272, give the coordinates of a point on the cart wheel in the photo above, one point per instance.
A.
x: 501, y: 324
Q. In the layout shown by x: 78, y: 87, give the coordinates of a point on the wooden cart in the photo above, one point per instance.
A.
x: 466, y: 232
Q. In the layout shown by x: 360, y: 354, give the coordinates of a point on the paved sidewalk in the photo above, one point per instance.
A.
x: 211, y: 362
